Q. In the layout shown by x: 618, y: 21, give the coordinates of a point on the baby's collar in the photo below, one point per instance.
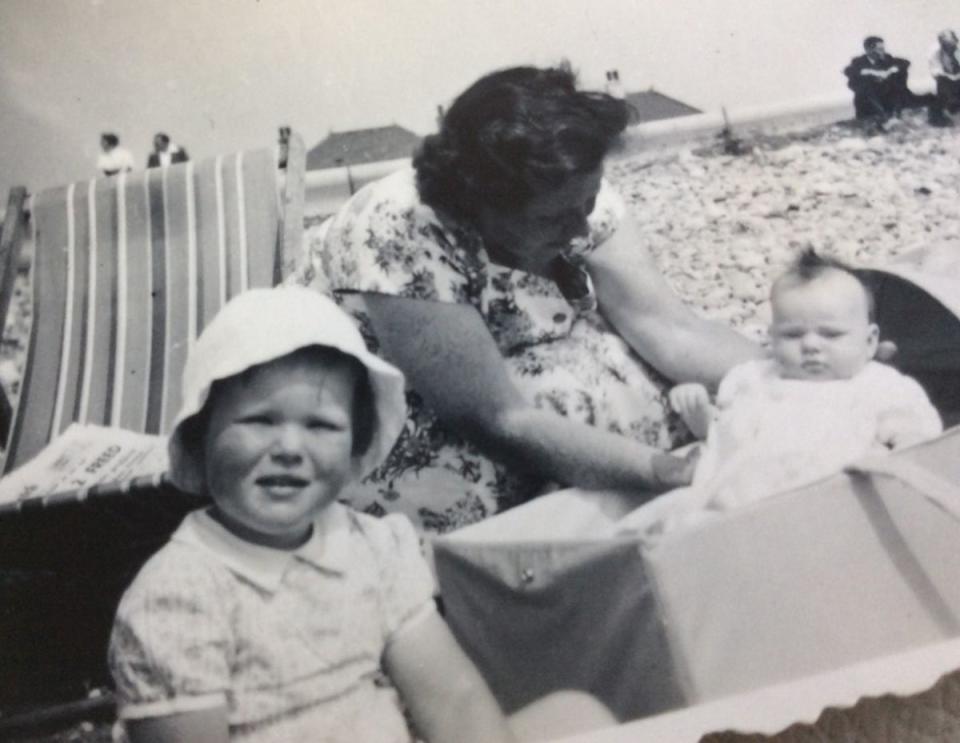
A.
x: 327, y: 548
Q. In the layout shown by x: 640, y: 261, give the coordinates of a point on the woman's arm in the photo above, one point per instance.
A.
x: 637, y: 301
x: 445, y: 693
x: 452, y: 361
x: 209, y: 726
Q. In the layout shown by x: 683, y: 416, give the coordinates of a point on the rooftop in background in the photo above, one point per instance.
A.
x: 651, y: 105
x: 362, y: 146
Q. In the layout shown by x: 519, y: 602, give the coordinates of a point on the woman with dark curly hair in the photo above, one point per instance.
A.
x: 502, y: 274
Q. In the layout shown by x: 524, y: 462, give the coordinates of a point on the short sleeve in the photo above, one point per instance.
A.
x: 169, y: 649
x: 405, y: 580
x: 386, y: 241
x: 740, y: 380
x: 603, y: 221
x: 907, y: 416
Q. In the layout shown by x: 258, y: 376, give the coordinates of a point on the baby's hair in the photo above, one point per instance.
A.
x: 871, y: 41
x: 810, y: 266
x: 364, y: 408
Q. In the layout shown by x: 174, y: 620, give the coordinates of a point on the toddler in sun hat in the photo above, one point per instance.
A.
x: 277, y: 613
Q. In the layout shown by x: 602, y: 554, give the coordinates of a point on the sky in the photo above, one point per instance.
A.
x: 221, y: 75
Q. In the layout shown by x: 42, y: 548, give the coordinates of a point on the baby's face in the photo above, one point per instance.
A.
x: 821, y: 329
x: 278, y: 447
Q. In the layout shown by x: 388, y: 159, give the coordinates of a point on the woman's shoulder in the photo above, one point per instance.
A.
x: 386, y: 240
x: 391, y: 203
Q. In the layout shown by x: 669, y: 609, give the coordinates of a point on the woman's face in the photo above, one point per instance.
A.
x: 532, y: 236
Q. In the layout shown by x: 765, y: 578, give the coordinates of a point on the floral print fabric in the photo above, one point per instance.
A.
x: 559, y: 350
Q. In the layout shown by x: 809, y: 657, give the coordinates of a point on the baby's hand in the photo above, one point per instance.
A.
x: 692, y: 403
x: 671, y: 471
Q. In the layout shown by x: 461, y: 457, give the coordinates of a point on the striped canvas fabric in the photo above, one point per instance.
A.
x: 127, y: 271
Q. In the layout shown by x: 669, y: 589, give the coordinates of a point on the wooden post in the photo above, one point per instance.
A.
x: 292, y: 202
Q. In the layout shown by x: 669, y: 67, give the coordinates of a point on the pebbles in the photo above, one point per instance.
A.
x: 722, y: 228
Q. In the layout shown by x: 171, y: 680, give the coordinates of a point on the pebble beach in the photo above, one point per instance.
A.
x: 722, y: 226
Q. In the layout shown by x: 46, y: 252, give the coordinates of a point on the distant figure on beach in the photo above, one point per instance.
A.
x: 945, y: 68
x: 113, y: 159
x: 879, y: 83
x: 165, y: 152
x: 818, y: 404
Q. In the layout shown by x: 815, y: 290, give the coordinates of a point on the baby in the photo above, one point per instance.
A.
x: 819, y: 402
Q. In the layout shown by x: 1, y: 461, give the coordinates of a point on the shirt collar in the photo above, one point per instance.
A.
x: 327, y: 549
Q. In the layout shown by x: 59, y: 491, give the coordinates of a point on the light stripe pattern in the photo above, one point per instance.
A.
x: 127, y: 270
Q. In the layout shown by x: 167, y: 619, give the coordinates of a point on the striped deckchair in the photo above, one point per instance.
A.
x: 126, y: 271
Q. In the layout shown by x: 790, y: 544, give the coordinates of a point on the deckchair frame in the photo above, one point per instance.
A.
x: 11, y: 240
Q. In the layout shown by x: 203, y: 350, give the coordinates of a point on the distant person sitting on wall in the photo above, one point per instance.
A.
x: 945, y: 68
x: 879, y: 83
x: 113, y: 159
x: 165, y: 152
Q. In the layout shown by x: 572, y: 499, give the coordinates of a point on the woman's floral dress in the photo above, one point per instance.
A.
x: 559, y: 351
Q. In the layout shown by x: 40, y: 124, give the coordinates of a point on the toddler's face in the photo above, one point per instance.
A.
x: 278, y: 447
x: 821, y: 329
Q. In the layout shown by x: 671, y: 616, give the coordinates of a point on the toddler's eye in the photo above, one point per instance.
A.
x: 256, y: 420
x: 831, y: 334
x: 323, y: 425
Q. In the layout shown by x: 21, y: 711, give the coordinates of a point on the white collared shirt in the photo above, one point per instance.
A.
x: 117, y: 160
x: 290, y: 642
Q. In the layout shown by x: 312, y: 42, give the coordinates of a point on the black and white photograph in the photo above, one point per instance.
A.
x: 479, y: 371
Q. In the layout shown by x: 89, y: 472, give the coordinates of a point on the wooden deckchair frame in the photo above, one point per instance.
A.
x: 11, y: 240
x: 71, y: 554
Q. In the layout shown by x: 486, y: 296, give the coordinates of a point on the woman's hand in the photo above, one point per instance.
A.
x: 672, y: 471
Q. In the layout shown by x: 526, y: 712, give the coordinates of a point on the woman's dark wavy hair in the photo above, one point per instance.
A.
x: 513, y: 134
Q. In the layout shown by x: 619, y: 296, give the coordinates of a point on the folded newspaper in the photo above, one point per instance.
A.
x: 84, y: 456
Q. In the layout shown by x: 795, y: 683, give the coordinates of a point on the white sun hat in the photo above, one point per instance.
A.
x: 261, y: 325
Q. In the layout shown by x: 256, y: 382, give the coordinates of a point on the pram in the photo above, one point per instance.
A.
x: 813, y: 581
